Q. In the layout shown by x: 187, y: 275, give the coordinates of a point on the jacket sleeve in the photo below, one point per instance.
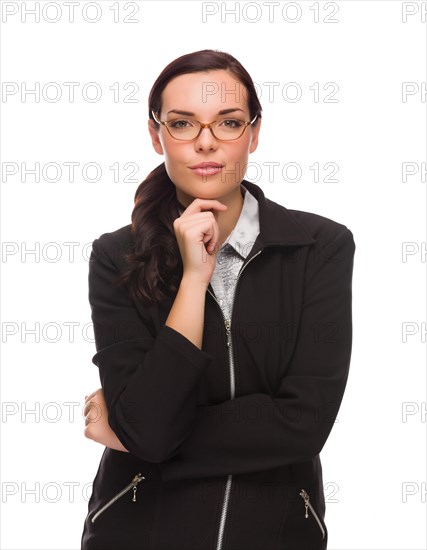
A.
x: 149, y: 381
x: 257, y: 432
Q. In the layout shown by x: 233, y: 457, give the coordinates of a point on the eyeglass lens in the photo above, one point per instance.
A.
x: 186, y: 129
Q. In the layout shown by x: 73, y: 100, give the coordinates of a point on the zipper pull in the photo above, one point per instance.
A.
x: 137, y: 478
x: 306, y: 498
x: 308, y: 505
x: 135, y: 481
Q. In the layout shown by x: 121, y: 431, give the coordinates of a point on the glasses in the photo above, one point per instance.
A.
x: 187, y: 129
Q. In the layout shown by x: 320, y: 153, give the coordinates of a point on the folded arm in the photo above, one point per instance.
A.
x: 257, y: 432
x: 149, y: 382
x: 97, y: 427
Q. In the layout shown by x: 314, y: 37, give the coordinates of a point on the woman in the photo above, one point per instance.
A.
x: 223, y: 333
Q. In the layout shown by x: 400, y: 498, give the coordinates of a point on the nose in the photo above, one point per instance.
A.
x: 206, y: 140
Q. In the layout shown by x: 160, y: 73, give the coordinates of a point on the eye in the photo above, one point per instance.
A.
x: 234, y: 123
x: 180, y: 123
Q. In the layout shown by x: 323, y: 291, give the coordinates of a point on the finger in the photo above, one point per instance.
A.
x: 209, y: 233
x: 94, y: 402
x: 88, y: 397
x: 92, y: 411
x: 87, y: 408
x: 200, y: 205
x: 212, y: 244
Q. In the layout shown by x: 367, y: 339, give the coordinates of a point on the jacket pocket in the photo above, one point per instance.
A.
x: 133, y: 484
x: 309, y: 506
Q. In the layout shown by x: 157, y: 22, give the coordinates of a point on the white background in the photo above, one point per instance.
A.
x: 374, y: 462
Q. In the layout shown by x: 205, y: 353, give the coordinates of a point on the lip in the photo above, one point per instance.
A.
x: 205, y: 165
x: 209, y: 171
x: 207, y: 168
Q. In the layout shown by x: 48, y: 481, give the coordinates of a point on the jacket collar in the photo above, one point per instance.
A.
x: 278, y: 227
x: 246, y: 230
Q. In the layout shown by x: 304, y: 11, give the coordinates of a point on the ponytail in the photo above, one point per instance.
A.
x: 153, y: 266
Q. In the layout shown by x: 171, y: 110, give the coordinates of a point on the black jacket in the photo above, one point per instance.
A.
x: 217, y: 473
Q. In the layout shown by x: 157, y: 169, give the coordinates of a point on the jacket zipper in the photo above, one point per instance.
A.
x: 133, y: 483
x: 308, y: 505
x: 227, y: 323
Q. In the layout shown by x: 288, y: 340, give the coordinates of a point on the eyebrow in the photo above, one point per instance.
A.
x: 188, y: 113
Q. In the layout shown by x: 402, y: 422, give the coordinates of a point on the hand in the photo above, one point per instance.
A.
x: 196, y: 227
x: 96, y: 422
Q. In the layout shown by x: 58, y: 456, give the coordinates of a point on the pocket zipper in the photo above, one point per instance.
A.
x: 138, y: 477
x: 308, y: 505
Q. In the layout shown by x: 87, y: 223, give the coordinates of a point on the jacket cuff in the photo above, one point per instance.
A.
x: 174, y: 339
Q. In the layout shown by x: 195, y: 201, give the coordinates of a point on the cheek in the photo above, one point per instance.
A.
x: 240, y: 151
x: 177, y: 155
x: 238, y: 157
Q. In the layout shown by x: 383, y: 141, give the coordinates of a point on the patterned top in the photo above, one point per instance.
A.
x: 234, y: 250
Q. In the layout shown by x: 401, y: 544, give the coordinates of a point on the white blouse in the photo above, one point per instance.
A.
x: 233, y: 251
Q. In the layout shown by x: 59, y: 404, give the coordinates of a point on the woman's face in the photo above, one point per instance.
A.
x: 205, y: 94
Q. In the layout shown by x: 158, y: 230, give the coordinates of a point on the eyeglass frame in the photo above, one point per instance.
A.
x: 202, y: 126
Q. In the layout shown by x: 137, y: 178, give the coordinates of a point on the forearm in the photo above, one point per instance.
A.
x: 294, y: 419
x: 144, y: 374
x: 188, y: 311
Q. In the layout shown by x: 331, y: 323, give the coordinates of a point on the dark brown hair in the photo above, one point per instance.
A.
x: 154, y: 266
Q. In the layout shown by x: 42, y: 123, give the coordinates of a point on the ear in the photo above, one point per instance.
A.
x: 255, y: 133
x: 154, y: 133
